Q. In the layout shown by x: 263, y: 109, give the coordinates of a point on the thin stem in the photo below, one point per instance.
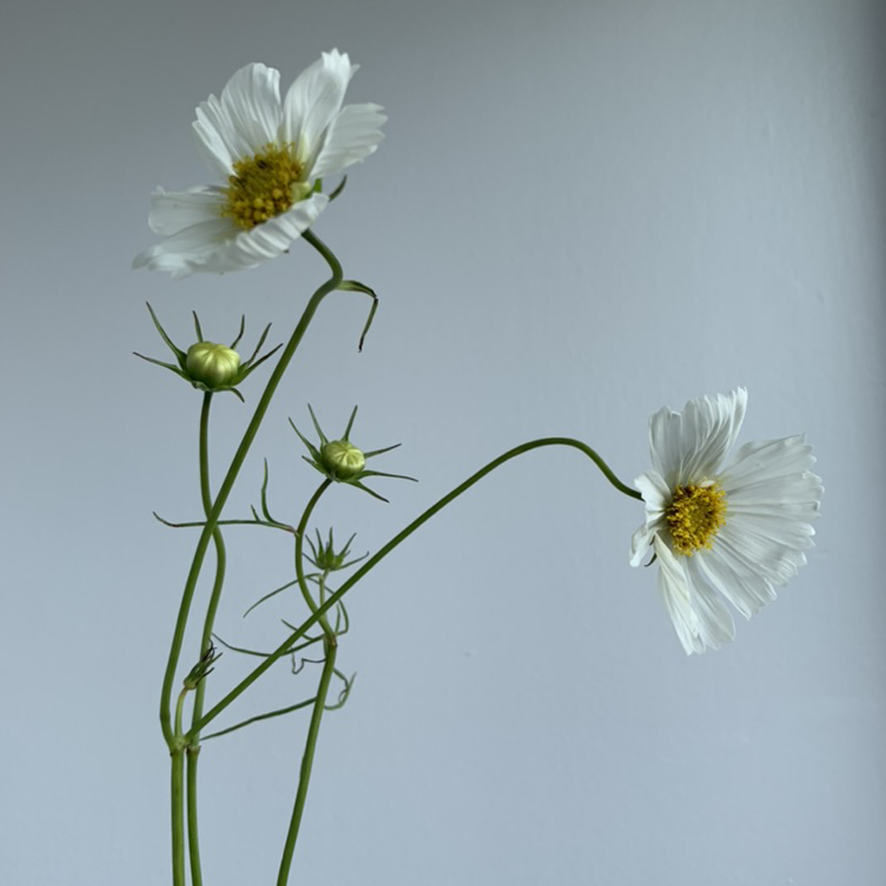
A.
x: 192, y: 753
x: 178, y: 798
x: 258, y: 654
x: 228, y: 483
x: 179, y: 705
x: 205, y: 644
x: 178, y: 823
x: 259, y: 717
x: 329, y: 649
x: 299, y: 553
x: 307, y: 762
x: 193, y: 524
x: 331, y: 601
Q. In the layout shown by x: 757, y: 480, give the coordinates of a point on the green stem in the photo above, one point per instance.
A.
x: 330, y: 644
x: 299, y: 555
x: 307, y: 761
x: 178, y: 823
x: 284, y: 647
x: 259, y: 717
x: 192, y: 753
x: 228, y: 483
x: 178, y: 798
x: 193, y: 750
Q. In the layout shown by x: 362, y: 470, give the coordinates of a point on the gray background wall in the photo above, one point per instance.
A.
x: 583, y: 211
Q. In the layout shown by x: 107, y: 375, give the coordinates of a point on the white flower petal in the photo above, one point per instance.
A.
x: 737, y: 579
x: 656, y: 495
x: 774, y: 546
x: 173, y: 211
x: 793, y: 491
x: 252, y: 101
x: 220, y: 247
x: 688, y: 446
x: 675, y: 594
x: 313, y: 102
x: 273, y: 237
x: 640, y: 542
x: 353, y: 135
x: 766, y: 460
x: 716, y: 626
x: 215, y: 137
x: 244, y: 120
x: 189, y: 250
x: 664, y: 445
x: 655, y: 491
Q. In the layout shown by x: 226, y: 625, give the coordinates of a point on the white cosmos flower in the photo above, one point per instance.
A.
x: 269, y: 155
x: 733, y: 533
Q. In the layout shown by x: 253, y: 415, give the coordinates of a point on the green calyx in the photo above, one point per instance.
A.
x: 325, y: 557
x: 208, y: 366
x: 202, y: 669
x: 340, y: 460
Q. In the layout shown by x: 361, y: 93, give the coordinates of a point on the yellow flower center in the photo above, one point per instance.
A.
x: 264, y: 186
x: 694, y: 516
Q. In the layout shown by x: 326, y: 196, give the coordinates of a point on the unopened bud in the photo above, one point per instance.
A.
x: 213, y: 365
x: 202, y: 668
x: 342, y: 460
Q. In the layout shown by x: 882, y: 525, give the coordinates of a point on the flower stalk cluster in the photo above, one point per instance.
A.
x: 720, y: 535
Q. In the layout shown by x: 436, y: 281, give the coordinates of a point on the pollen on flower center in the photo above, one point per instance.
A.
x: 264, y: 186
x: 694, y: 516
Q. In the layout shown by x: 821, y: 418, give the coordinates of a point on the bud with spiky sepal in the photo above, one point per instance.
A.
x: 209, y: 366
x: 202, y: 669
x: 325, y: 557
x: 340, y: 460
x: 212, y: 364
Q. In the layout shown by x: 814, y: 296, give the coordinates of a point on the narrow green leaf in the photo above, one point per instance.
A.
x: 236, y: 341
x: 350, y: 424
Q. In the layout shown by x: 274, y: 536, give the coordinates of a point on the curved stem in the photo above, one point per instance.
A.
x: 299, y: 557
x: 228, y: 483
x: 331, y: 601
x: 205, y: 643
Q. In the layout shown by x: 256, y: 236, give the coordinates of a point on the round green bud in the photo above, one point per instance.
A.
x: 342, y: 459
x: 213, y: 365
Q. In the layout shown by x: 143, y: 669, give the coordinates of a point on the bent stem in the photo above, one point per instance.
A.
x: 193, y: 749
x: 376, y: 558
x: 299, y: 553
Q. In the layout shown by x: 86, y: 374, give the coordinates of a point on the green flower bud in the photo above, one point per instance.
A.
x: 327, y: 559
x: 341, y: 459
x: 203, y: 668
x: 213, y: 365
